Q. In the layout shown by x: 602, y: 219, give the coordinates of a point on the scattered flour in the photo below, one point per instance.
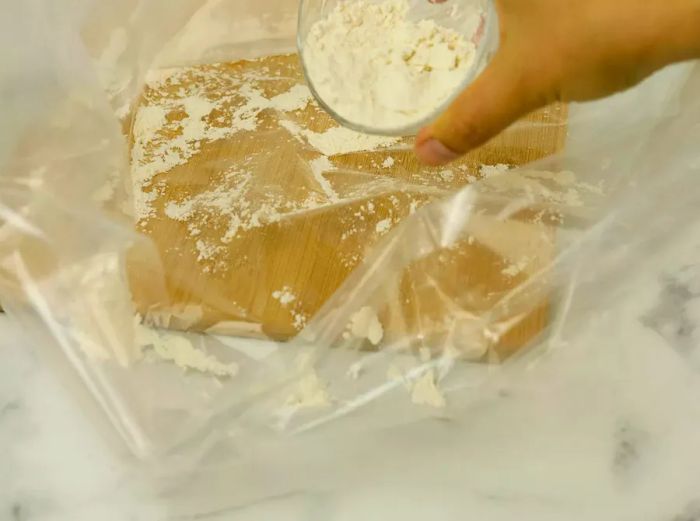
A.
x: 310, y: 392
x: 176, y: 348
x: 555, y: 188
x: 423, y: 389
x: 376, y: 67
x: 185, y: 108
x: 207, y: 250
x: 426, y: 392
x: 239, y: 202
x: 319, y: 166
x: 447, y: 175
x: 365, y: 324
x: 300, y: 320
x: 339, y: 140
x: 284, y: 296
x: 517, y: 267
x: 384, y: 225
x: 170, y: 129
x: 489, y: 170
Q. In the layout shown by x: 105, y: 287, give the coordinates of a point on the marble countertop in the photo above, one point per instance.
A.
x: 56, y: 466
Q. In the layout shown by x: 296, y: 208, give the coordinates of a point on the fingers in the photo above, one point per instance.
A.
x: 503, y: 93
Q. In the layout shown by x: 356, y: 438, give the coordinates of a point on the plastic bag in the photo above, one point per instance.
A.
x: 468, y: 289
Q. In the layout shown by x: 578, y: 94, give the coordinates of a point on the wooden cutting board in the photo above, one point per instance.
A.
x: 269, y: 240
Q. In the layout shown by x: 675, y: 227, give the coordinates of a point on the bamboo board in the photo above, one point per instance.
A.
x: 306, y: 253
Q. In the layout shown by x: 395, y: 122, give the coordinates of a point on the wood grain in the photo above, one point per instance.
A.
x: 311, y: 252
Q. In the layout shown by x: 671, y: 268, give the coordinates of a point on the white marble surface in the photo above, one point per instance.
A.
x: 614, y: 434
x: 54, y: 464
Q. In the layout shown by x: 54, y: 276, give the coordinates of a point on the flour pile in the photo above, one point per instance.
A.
x: 376, y: 67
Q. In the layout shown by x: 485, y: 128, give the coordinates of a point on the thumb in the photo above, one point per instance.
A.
x: 499, y: 96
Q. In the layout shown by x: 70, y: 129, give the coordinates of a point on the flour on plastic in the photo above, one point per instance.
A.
x: 339, y: 140
x: 320, y: 166
x: 365, y: 324
x: 426, y: 392
x: 179, y: 350
x: 310, y: 392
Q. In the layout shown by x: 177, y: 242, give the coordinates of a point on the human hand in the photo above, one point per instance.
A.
x: 562, y: 50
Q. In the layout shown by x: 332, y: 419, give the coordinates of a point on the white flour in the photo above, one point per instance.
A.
x: 376, y: 67
x: 556, y: 188
x: 178, y: 349
x: 284, y: 296
x: 300, y: 320
x: 339, y: 140
x: 164, y: 140
x: 447, y: 176
x: 365, y: 324
x: 319, y: 166
x: 388, y: 162
x: 426, y: 392
x: 310, y: 392
x: 295, y: 99
x: 207, y: 250
x: 187, y: 108
x: 184, y: 110
x: 383, y: 226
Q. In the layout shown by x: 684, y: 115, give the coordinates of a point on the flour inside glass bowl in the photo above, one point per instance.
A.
x: 377, y: 67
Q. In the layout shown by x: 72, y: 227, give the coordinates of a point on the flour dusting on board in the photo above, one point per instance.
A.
x: 169, y: 132
x: 319, y: 167
x: 339, y: 140
x: 284, y: 296
x: 237, y: 204
x: 185, y: 110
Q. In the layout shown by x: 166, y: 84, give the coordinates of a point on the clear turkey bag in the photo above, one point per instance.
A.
x: 246, y: 288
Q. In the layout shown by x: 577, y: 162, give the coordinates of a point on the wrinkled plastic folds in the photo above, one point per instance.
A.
x: 568, y: 234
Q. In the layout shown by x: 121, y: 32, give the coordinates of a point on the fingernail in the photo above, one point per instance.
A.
x: 435, y: 153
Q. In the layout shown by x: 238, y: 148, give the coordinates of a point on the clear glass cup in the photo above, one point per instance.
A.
x: 486, y: 42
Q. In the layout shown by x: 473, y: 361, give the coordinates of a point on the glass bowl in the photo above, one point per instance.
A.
x: 451, y: 14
